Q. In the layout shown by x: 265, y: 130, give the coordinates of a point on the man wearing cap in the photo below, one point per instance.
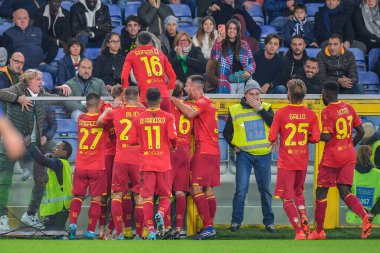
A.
x: 246, y: 132
x: 167, y: 37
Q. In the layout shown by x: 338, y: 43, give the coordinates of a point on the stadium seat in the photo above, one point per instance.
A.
x: 265, y: 31
x: 191, y: 29
x: 92, y: 53
x: 59, y: 56
x: 370, y: 81
x: 257, y: 14
x: 312, y: 52
x: 282, y: 50
x: 67, y: 130
x: 60, y: 111
x: 182, y: 12
x: 67, y: 5
x: 312, y: 8
x: 5, y: 26
x: 373, y: 56
x: 118, y: 29
x: 48, y: 83
x: 115, y: 14
x: 131, y: 9
x: 359, y: 57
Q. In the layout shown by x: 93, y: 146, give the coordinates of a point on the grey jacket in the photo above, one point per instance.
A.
x: 152, y: 19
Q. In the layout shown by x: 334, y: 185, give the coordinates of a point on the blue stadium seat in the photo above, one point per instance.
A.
x: 59, y: 56
x: 312, y: 8
x: 67, y: 130
x: 118, y: 29
x: 60, y: 111
x: 67, y: 5
x: 370, y: 81
x: 182, y: 12
x: 257, y: 13
x: 359, y: 57
x: 48, y: 83
x: 115, y: 14
x: 92, y: 53
x: 191, y: 29
x: 373, y: 56
x: 265, y: 31
x: 5, y: 26
x: 312, y: 52
x: 282, y: 50
x: 131, y: 9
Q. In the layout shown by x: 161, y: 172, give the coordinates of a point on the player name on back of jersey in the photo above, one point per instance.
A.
x: 147, y: 51
x: 87, y: 123
x: 343, y: 111
x: 153, y: 120
x: 297, y: 116
x: 131, y: 114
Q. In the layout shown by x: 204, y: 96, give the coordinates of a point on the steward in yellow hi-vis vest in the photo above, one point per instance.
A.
x: 246, y: 132
x: 57, y: 197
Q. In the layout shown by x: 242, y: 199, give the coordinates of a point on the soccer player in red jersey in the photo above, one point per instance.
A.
x: 338, y: 160
x: 205, y: 163
x: 297, y: 126
x: 127, y: 160
x: 150, y: 67
x: 89, y: 167
x: 155, y: 130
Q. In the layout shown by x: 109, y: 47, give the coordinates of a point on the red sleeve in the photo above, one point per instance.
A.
x: 356, y: 120
x: 133, y: 134
x: 126, y: 71
x: 108, y: 118
x: 172, y: 77
x: 327, y: 122
x: 172, y: 131
x: 274, y: 129
x: 315, y: 132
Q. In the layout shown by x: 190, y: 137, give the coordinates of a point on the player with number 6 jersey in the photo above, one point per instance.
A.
x: 150, y: 67
x: 297, y: 126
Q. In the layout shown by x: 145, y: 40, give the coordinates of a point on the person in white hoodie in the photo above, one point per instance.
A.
x: 206, y: 36
x: 90, y: 22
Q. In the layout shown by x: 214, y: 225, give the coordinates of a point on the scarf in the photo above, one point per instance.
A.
x: 371, y: 18
x: 298, y: 28
x: 186, y: 50
x: 90, y: 15
x: 326, y: 20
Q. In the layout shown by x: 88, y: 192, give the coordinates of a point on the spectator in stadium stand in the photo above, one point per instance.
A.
x: 366, y: 21
x: 335, y: 18
x: 38, y: 49
x: 68, y: 65
x: 129, y: 34
x: 338, y: 64
x: 21, y: 116
x: 53, y: 20
x: 167, y: 37
x: 9, y: 74
x: 236, y: 61
x: 296, y: 56
x: 206, y: 36
x: 372, y: 138
x: 309, y: 75
x: 186, y: 59
x: 3, y: 57
x: 83, y: 84
x: 227, y: 8
x: 9, y: 6
x: 279, y: 11
x: 191, y: 3
x: 272, y: 82
x: 206, y: 7
x: 90, y: 22
x: 298, y: 25
x: 212, y: 74
x: 110, y: 62
x: 152, y: 14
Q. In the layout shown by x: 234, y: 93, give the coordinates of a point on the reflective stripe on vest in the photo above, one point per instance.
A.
x: 250, y: 130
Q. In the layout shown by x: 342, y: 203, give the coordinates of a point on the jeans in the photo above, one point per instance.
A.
x: 357, y: 89
x: 278, y: 89
x: 262, y: 168
x: 237, y: 88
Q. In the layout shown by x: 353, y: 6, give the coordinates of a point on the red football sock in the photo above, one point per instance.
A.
x: 291, y: 212
x: 75, y: 207
x: 211, y: 200
x: 353, y: 202
x: 180, y: 207
x: 319, y: 214
x: 93, y: 215
x: 299, y: 201
x: 163, y: 205
x: 111, y: 224
x: 203, y: 209
x: 127, y: 211
x: 139, y: 219
x: 148, y: 214
x: 117, y: 215
x: 167, y: 218
x: 103, y: 214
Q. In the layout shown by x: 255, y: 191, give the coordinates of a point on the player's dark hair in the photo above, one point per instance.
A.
x: 153, y: 95
x: 144, y: 38
x: 74, y: 41
x: 330, y: 90
x: 198, y: 80
x: 363, y: 156
x: 272, y: 36
x: 92, y: 99
x: 313, y: 59
x: 337, y: 36
x: 132, y: 18
x: 178, y: 89
x: 131, y: 93
x: 116, y: 91
x: 297, y: 90
x: 68, y: 148
x: 300, y: 7
x: 298, y: 36
x: 83, y: 60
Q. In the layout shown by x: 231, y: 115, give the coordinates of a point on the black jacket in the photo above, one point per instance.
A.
x: 9, y: 6
x: 59, y: 28
x: 313, y: 85
x: 195, y: 63
x: 127, y: 43
x: 293, y: 65
x: 362, y: 34
x: 79, y: 23
x: 152, y: 19
x: 108, y: 67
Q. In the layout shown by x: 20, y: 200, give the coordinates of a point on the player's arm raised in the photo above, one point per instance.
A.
x: 187, y: 110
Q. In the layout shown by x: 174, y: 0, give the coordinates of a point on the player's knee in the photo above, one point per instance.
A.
x: 96, y: 198
x: 344, y: 190
x: 209, y: 191
x: 321, y: 193
x: 117, y: 195
x: 179, y: 193
x: 196, y: 189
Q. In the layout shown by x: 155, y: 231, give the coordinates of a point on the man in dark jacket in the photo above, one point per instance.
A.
x: 338, y: 64
x: 9, y: 74
x: 53, y: 20
x: 168, y: 36
x: 296, y: 56
x: 9, y: 6
x: 309, y: 75
x: 129, y: 34
x: 90, y: 21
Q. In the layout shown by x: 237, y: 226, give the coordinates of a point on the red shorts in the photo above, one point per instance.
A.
x: 330, y: 177
x: 155, y: 183
x: 94, y: 179
x: 109, y: 165
x: 180, y: 161
x: 125, y: 176
x: 165, y: 104
x: 205, y: 170
x: 290, y: 183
